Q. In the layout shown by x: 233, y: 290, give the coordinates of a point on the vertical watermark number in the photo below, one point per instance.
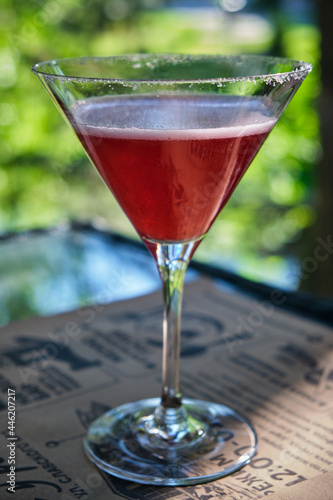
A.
x: 11, y: 445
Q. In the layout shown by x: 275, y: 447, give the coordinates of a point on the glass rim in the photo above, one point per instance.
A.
x: 300, y: 70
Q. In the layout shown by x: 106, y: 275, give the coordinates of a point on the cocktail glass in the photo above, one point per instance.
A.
x: 171, y: 136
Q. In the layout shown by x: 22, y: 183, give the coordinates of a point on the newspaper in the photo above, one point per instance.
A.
x: 57, y: 374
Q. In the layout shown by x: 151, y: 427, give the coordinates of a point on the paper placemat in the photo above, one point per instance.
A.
x: 273, y: 366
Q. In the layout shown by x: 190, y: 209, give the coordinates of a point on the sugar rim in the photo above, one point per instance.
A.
x: 299, y: 72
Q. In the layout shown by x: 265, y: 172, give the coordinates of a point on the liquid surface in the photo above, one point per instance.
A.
x: 171, y: 162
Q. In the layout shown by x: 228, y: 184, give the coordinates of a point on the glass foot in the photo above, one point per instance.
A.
x: 131, y: 443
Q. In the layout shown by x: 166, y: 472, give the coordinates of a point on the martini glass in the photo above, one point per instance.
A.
x: 171, y: 135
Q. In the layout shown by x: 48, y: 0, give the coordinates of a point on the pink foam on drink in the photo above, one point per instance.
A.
x: 177, y: 118
x: 179, y: 135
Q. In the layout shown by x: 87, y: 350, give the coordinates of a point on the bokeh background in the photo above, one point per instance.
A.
x: 281, y: 212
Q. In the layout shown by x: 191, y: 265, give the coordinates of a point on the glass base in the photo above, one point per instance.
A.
x: 131, y: 443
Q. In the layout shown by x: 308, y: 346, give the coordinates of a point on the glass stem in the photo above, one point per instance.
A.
x: 172, y: 261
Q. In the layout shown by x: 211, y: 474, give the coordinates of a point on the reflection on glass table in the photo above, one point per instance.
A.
x: 57, y: 270
x: 45, y: 272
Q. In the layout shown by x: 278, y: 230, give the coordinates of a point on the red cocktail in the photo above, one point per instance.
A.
x: 172, y: 182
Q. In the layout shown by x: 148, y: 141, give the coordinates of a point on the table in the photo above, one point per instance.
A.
x: 245, y: 345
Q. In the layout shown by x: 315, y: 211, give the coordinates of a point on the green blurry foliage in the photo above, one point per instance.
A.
x: 44, y: 175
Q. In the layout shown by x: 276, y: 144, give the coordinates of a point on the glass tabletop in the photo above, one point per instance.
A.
x: 55, y: 270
